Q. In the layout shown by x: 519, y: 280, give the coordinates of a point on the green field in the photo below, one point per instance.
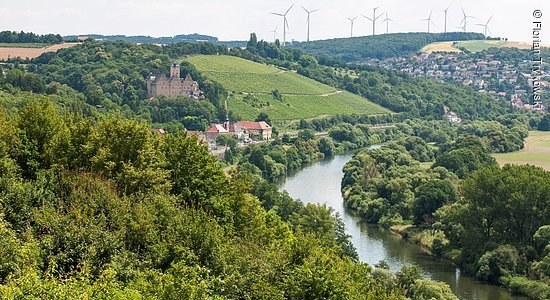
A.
x: 250, y: 85
x: 471, y: 45
x: 23, y: 45
x: 536, y: 152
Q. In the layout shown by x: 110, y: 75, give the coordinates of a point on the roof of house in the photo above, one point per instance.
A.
x: 253, y: 125
x: 217, y: 128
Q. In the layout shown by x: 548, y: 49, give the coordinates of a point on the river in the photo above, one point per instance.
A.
x: 320, y: 183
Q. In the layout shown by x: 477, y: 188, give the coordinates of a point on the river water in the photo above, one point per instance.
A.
x: 320, y: 183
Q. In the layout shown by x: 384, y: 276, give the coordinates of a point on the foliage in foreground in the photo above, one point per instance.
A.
x: 107, y: 210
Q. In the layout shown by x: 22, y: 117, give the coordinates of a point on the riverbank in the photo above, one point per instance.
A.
x: 425, y: 239
x: 319, y: 183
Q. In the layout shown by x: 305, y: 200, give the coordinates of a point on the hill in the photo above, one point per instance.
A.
x: 165, y: 40
x: 379, y: 46
x: 472, y: 46
x: 251, y: 88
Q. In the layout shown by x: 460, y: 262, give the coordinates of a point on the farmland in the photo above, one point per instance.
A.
x: 30, y: 51
x: 471, y: 45
x: 536, y: 152
x: 251, y: 85
x: 440, y: 47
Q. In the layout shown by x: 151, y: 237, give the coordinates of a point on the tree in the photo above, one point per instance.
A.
x: 430, y: 197
x: 263, y: 117
x: 326, y: 146
x: 544, y: 124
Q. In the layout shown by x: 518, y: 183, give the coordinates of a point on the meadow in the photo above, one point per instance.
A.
x: 536, y: 151
x: 251, y: 85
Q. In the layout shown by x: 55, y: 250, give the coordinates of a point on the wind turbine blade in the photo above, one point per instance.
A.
x: 379, y: 16
x: 289, y: 9
x: 305, y: 9
x: 430, y: 17
x: 489, y: 20
x: 463, y: 12
x: 480, y: 24
x: 286, y: 23
x: 313, y: 11
x: 489, y: 31
x: 278, y: 14
x: 367, y: 18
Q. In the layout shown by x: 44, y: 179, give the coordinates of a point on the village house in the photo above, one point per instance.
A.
x: 243, y: 130
x: 451, y: 116
x: 175, y: 86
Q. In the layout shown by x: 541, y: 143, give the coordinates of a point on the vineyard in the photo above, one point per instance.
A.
x: 251, y: 86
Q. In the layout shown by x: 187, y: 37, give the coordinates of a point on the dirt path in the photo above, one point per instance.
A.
x: 330, y: 94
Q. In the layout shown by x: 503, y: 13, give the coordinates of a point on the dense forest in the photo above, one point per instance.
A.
x: 12, y: 37
x: 165, y: 40
x: 380, y: 46
x: 103, y: 208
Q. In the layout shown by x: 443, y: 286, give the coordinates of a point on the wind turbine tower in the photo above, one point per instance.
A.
x: 274, y: 31
x: 308, y: 19
x: 429, y: 20
x: 465, y: 20
x: 374, y: 18
x: 486, y: 26
x: 387, y: 20
x: 352, y: 20
x: 445, y: 10
x: 285, y: 22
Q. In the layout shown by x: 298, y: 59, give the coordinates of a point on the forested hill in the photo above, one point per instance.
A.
x: 380, y: 46
x: 165, y: 40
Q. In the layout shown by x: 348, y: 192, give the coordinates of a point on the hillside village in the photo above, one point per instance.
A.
x: 505, y: 80
x: 176, y: 86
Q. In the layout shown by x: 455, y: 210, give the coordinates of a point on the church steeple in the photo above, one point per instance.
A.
x: 175, y: 70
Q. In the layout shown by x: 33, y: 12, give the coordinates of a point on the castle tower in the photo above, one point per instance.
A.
x: 175, y: 70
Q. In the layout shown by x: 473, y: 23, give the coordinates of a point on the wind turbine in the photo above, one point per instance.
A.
x: 285, y: 22
x: 429, y: 19
x: 352, y: 20
x: 274, y: 33
x: 308, y: 13
x: 445, y: 10
x: 465, y: 19
x: 387, y: 20
x: 486, y: 27
x: 374, y: 18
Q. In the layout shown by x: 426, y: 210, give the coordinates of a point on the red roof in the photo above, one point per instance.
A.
x: 253, y: 125
x: 216, y: 128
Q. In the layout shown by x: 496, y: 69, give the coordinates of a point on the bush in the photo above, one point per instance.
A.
x: 531, y: 288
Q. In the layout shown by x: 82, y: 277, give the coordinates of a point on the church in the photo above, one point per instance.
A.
x: 175, y: 86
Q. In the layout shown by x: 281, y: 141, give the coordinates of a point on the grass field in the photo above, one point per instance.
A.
x: 30, y: 51
x: 472, y: 45
x: 440, y: 47
x: 536, y: 152
x: 251, y: 84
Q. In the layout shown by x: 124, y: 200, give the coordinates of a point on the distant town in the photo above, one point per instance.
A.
x: 505, y: 80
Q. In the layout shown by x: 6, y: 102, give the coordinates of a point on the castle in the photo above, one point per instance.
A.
x: 160, y: 85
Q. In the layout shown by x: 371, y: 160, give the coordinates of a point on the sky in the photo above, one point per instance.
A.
x: 236, y: 19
